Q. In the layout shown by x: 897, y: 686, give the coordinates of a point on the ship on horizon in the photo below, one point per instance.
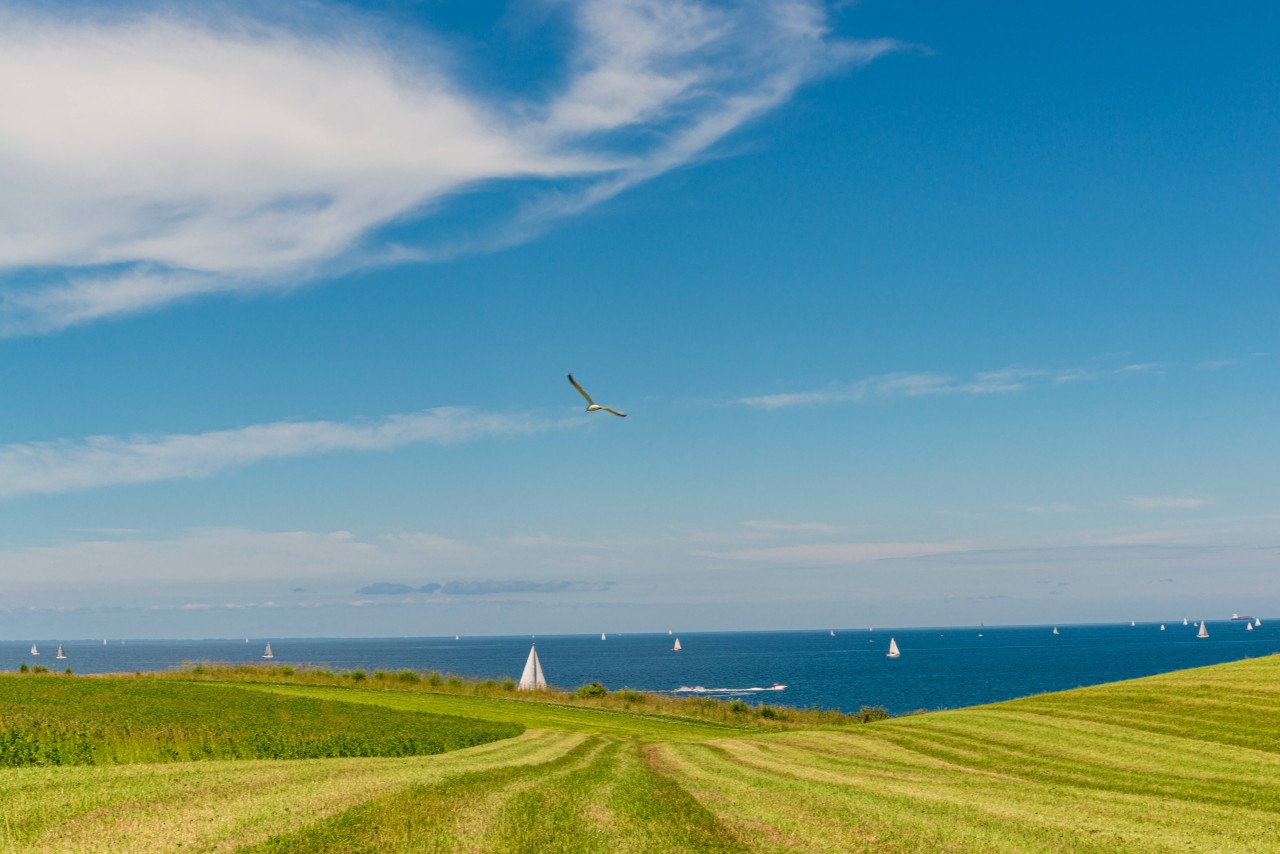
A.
x: 1241, y: 617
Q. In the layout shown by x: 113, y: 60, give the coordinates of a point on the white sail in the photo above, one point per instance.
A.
x: 893, y: 649
x: 1055, y: 630
x: 677, y: 647
x: 1204, y: 630
x: 1184, y: 621
x: 833, y: 632
x: 104, y: 641
x: 266, y: 653
x: 1248, y: 627
x: 457, y: 637
x: 602, y: 637
x: 34, y: 651
x: 1257, y: 622
x: 532, y: 677
x: 60, y: 654
x: 1162, y: 627
x: 1132, y: 623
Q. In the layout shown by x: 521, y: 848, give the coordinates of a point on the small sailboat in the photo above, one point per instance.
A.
x: 266, y: 653
x: 532, y: 677
x: 668, y: 632
x: 1055, y: 630
x: 34, y: 651
x: 60, y: 654
x: 1132, y: 623
x: 893, y: 649
x: 1162, y: 627
x: 456, y: 637
x: 1184, y: 621
x: 832, y: 632
x: 104, y: 641
x: 677, y: 647
x: 1204, y: 630
x: 1257, y: 622
x: 1248, y: 627
x: 602, y: 636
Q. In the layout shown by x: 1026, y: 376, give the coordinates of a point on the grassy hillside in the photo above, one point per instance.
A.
x: 1185, y: 761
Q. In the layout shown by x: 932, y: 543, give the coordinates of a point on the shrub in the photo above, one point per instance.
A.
x: 629, y: 696
x: 738, y: 707
x: 287, y: 671
x: 508, y: 684
x: 435, y: 680
x: 24, y: 668
x: 357, y: 675
x: 410, y: 676
x: 872, y: 713
x: 595, y: 689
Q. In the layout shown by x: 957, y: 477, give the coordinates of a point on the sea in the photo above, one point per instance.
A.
x: 939, y: 668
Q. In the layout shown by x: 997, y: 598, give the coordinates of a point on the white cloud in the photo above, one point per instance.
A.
x: 1168, y: 502
x: 150, y: 158
x: 834, y: 553
x: 792, y: 527
x: 65, y: 465
x: 1011, y: 380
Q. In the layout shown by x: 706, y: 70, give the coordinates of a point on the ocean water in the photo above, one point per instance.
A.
x: 939, y: 668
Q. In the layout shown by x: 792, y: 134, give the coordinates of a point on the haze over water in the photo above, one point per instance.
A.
x: 939, y: 667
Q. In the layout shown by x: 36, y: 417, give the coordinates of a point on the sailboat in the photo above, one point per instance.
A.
x: 893, y: 649
x: 602, y: 637
x: 833, y: 632
x: 1248, y: 627
x: 1204, y: 630
x: 1055, y: 630
x: 1184, y: 621
x: 532, y: 677
x: 1257, y: 622
x: 266, y: 653
x: 104, y: 641
x: 1162, y: 627
x: 1132, y: 623
x: 456, y: 637
x: 677, y: 647
x: 34, y: 651
x: 668, y: 632
x: 60, y: 654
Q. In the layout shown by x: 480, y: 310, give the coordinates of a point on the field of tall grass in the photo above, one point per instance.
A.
x: 1188, y: 761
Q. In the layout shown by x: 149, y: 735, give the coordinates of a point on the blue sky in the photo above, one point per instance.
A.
x: 922, y: 315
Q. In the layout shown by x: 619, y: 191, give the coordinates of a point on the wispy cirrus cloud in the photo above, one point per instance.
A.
x: 834, y: 553
x: 1168, y: 502
x: 1010, y: 380
x: 153, y: 157
x: 67, y: 465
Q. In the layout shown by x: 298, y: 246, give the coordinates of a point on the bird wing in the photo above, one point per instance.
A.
x: 580, y: 390
x: 614, y: 411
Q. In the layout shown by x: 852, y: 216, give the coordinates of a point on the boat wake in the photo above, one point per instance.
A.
x: 698, y: 689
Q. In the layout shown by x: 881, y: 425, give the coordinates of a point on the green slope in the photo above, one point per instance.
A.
x: 1184, y: 761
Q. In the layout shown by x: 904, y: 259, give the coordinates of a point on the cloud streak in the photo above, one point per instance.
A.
x: 67, y: 465
x: 148, y: 158
x: 1011, y: 380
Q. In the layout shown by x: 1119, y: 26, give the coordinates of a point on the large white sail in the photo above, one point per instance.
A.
x: 893, y: 649
x: 602, y: 637
x: 266, y: 653
x: 34, y: 651
x: 1257, y: 622
x: 1055, y: 630
x: 532, y: 677
x: 1248, y: 627
x: 677, y: 647
x: 60, y: 654
x: 1204, y: 631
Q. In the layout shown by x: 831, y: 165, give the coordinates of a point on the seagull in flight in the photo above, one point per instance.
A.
x: 592, y: 406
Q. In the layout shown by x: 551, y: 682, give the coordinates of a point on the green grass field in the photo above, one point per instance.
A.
x: 1188, y: 761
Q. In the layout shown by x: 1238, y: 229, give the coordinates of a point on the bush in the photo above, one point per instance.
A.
x: 629, y: 696
x: 357, y: 675
x: 739, y: 708
x: 24, y: 668
x: 287, y: 671
x: 508, y: 684
x: 410, y: 676
x: 872, y: 713
x: 595, y: 689
x: 435, y: 680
